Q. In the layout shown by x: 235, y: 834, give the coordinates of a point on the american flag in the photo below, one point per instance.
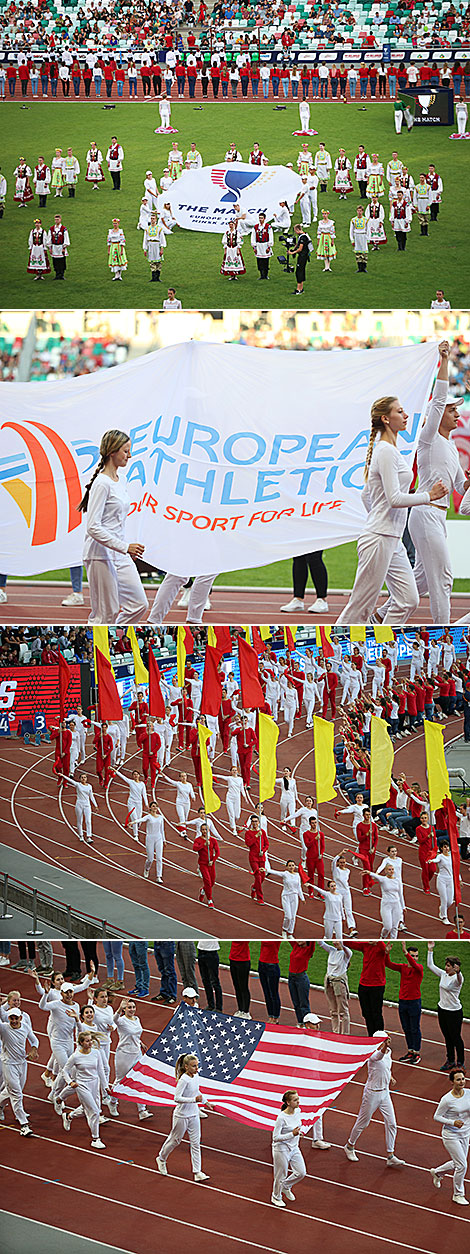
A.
x: 245, y: 1066
x: 218, y: 175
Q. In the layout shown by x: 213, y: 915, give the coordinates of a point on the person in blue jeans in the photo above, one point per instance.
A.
x: 275, y: 78
x: 298, y: 981
x: 164, y: 953
x: 392, y: 86
x: 138, y: 957
x: 113, y: 955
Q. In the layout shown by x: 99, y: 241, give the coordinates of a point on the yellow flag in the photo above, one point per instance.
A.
x: 211, y: 800
x: 357, y: 634
x: 318, y: 635
x: 268, y: 738
x: 438, y: 775
x: 101, y: 642
x: 381, y: 761
x: 180, y: 656
x: 289, y: 638
x: 141, y: 672
x: 265, y: 633
x: 247, y: 634
x: 383, y: 634
x: 325, y: 766
x: 211, y: 637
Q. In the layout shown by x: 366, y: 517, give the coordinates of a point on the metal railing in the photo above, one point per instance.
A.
x: 43, y: 908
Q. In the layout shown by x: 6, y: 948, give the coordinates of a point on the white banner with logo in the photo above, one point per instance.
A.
x: 203, y: 200
x: 240, y: 456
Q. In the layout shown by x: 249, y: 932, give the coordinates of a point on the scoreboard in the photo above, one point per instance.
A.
x: 26, y: 690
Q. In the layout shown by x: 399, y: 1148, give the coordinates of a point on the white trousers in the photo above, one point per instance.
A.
x: 289, y: 1168
x: 445, y: 889
x: 415, y: 667
x: 461, y: 123
x: 304, y: 110
x: 390, y: 912
x: 290, y: 711
x: 433, y: 567
x: 116, y: 592
x: 14, y: 1080
x: 90, y: 1105
x: 290, y: 905
x: 179, y: 1127
x: 122, y: 742
x: 61, y: 1051
x: 233, y: 805
x: 135, y: 812
x: 274, y: 703
x: 333, y: 925
x: 74, y: 752
x: 83, y: 816
x: 398, y: 115
x: 457, y: 1147
x: 314, y: 202
x: 345, y: 894
x: 309, y: 708
x: 306, y: 211
x: 82, y: 743
x: 233, y: 751
x: 124, y: 1060
x: 372, y: 1100
x: 154, y: 849
x: 287, y: 806
x: 182, y: 809
x: 169, y: 589
x: 381, y: 558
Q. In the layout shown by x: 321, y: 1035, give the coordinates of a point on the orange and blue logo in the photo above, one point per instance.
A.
x: 39, y: 503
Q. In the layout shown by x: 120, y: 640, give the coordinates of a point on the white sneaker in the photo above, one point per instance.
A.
x: 207, y: 605
x: 294, y: 604
x: 289, y: 1195
x: 238, y: 1014
x: 4, y: 961
x: 25, y: 1130
x: 277, y: 1201
x: 146, y: 873
x: 460, y: 1199
x: 162, y: 1167
x: 351, y: 1153
x: 113, y: 1109
x: 318, y: 607
x: 322, y: 1145
x: 199, y: 1176
x: 283, y: 935
x: 58, y: 1107
x: 74, y: 598
x: 66, y: 1121
x: 98, y: 1144
x: 103, y: 1119
x: 184, y: 601
x: 3, y: 596
x: 395, y: 1162
x: 145, y: 1114
x: 436, y: 1179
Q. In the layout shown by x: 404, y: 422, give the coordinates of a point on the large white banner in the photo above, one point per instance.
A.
x: 203, y: 200
x: 240, y: 456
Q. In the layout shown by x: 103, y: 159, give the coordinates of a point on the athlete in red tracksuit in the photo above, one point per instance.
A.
x: 258, y: 845
x: 193, y: 745
x: 104, y: 748
x: 245, y: 737
x: 263, y: 709
x: 185, y: 718
x: 427, y: 845
x: 138, y: 711
x: 208, y: 851
x: 150, y: 743
x: 225, y: 715
x: 63, y: 742
x: 298, y: 679
x: 367, y: 839
x: 314, y: 842
x: 329, y: 690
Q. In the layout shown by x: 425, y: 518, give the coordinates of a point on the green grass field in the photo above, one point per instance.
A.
x: 192, y: 261
x: 429, y: 987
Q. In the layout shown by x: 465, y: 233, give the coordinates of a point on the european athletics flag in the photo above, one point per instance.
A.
x: 245, y: 1066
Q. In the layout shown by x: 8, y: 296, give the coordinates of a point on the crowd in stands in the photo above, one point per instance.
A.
x: 57, y: 355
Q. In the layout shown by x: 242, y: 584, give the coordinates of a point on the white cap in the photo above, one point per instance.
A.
x: 15, y: 1010
x: 189, y: 992
x: 311, y: 1019
x: 454, y: 400
x: 67, y: 988
x: 381, y: 1033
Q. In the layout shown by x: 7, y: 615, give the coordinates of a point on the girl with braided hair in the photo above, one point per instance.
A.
x: 186, y: 1116
x: 116, y: 592
x: 386, y: 497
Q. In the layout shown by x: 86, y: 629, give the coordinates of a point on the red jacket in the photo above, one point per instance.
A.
x: 269, y: 951
x: 206, y: 853
x: 300, y: 957
x: 367, y: 835
x: 315, y: 841
x: 239, y: 951
x: 411, y: 975
x: 257, y: 843
x: 374, y: 962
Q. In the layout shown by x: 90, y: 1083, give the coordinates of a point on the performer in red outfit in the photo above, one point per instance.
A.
x: 208, y: 851
x: 185, y: 718
x: 63, y: 741
x: 138, y: 710
x: 150, y: 743
x: 367, y: 838
x: 245, y: 738
x: 104, y: 748
x: 225, y: 715
x: 193, y: 746
x: 258, y: 845
x: 329, y: 690
x: 314, y: 842
x: 427, y: 845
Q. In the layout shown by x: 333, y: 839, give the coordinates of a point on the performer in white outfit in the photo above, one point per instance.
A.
x: 233, y: 798
x: 376, y: 1096
x: 184, y: 796
x: 381, y: 552
x: 304, y: 111
x: 154, y: 840
x: 290, y: 706
x: 169, y: 589
x: 392, y: 859
x: 453, y: 1112
x: 437, y: 457
x: 461, y: 113
x: 289, y: 796
x: 15, y: 1033
x: 289, y: 1166
x: 444, y: 880
x: 186, y: 1116
x: 136, y: 800
x: 340, y: 872
x: 334, y: 910
x: 336, y: 985
x: 391, y: 910
x: 85, y: 800
x: 290, y: 896
x: 306, y: 812
x: 84, y: 1074
x: 164, y: 109
x: 116, y: 592
x: 128, y: 1048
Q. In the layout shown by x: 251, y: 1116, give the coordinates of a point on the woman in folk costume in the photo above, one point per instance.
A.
x: 175, y: 160
x: 400, y: 218
x: 304, y: 161
x: 375, y: 215
x: 42, y: 181
x: 117, y: 258
x: 434, y: 182
x: 38, y: 243
x: 71, y: 171
x: 322, y: 165
x: 57, y: 168
x: 23, y: 189
x: 342, y: 184
x: 326, y: 246
x: 375, y: 181
x: 421, y: 203
x: 232, y: 264
x: 94, y: 166
x: 153, y: 245
x: 359, y: 236
x: 144, y: 214
x: 397, y: 187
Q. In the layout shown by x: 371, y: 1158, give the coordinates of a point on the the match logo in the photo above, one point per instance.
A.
x: 39, y: 503
x: 234, y: 180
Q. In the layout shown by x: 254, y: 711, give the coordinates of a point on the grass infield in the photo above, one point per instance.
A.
x: 192, y: 259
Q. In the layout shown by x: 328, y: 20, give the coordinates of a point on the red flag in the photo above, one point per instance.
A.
x: 259, y: 644
x: 156, y: 699
x: 188, y: 640
x: 449, y: 808
x: 327, y: 647
x: 109, y: 703
x: 211, y: 685
x: 290, y: 640
x: 251, y: 690
x: 64, y: 680
x: 221, y: 641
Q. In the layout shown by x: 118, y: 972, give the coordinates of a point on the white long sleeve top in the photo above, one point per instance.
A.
x: 451, y: 1108
x: 386, y: 493
x: 438, y: 458
x: 450, y: 986
x: 379, y: 1071
x: 283, y: 1131
x: 14, y: 1041
x: 186, y: 1091
x: 108, y: 507
x: 338, y: 960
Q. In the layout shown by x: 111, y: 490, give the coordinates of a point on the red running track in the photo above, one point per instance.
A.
x: 118, y: 1196
x: 38, y: 821
x: 41, y: 604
